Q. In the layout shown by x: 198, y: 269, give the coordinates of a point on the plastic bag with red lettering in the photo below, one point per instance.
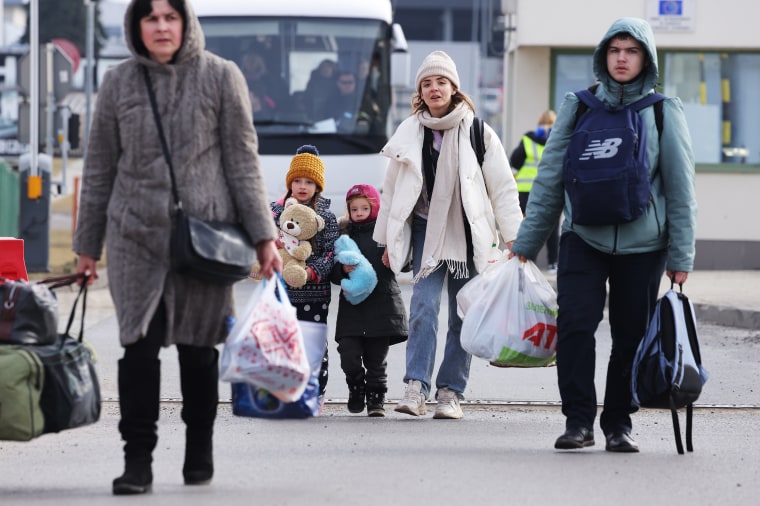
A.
x: 514, y: 322
x: 265, y: 347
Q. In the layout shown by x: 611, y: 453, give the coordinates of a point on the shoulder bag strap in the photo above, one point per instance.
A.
x: 59, y: 281
x: 8, y: 310
x: 689, y: 414
x: 164, y: 146
x: 477, y: 140
x: 81, y: 295
x: 676, y: 425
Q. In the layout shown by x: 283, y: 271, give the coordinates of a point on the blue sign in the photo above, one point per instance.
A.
x: 671, y: 8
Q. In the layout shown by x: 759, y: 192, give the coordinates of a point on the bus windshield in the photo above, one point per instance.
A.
x: 324, y: 81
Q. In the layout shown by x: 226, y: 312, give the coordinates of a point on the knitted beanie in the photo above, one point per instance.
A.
x: 437, y: 63
x: 307, y: 164
x: 368, y: 192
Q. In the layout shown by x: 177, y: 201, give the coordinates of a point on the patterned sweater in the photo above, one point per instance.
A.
x: 321, y: 259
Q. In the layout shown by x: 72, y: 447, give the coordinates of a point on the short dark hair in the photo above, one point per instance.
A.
x: 142, y: 8
x: 626, y: 36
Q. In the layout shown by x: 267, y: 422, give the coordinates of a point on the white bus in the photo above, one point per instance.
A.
x: 299, y: 57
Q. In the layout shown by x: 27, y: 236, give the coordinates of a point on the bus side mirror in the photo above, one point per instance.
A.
x: 398, y: 39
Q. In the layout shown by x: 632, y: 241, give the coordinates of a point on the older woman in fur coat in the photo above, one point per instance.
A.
x: 127, y: 204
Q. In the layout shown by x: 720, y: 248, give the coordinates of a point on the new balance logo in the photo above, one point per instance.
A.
x: 601, y: 149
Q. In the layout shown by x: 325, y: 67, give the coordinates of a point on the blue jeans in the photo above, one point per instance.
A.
x: 423, y: 324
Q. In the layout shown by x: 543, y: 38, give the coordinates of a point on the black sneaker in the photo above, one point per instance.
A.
x: 356, y: 398
x: 575, y: 438
x: 375, y: 401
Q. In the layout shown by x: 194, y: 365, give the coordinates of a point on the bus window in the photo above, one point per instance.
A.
x: 294, y: 66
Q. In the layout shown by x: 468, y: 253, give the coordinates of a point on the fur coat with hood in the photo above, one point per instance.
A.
x: 126, y: 201
x: 669, y: 221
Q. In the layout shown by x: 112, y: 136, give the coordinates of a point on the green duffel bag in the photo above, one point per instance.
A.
x: 21, y: 380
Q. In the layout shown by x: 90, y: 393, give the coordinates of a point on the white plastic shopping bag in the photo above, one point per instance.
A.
x: 480, y: 284
x: 513, y: 323
x: 315, y: 342
x: 265, y: 347
x: 252, y: 401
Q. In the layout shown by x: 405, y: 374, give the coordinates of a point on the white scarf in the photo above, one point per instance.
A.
x: 445, y: 239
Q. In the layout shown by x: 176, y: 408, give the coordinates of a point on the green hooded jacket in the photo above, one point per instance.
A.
x: 670, y: 219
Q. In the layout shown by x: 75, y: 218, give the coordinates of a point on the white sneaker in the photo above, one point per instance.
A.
x: 413, y: 402
x: 448, y: 405
x: 552, y: 270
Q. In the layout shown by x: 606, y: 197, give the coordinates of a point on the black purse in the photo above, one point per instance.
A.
x: 70, y: 391
x: 214, y: 252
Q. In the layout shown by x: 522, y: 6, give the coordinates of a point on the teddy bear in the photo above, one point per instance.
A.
x: 363, y: 279
x: 298, y: 224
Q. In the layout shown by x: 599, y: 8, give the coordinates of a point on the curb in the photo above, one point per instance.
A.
x: 727, y: 316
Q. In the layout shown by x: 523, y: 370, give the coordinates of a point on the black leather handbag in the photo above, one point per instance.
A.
x: 214, y: 252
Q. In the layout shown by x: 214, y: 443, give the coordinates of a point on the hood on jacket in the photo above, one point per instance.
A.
x: 368, y: 192
x: 193, y: 40
x: 640, y: 30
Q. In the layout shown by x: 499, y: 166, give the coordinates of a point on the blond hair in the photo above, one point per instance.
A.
x: 547, y: 118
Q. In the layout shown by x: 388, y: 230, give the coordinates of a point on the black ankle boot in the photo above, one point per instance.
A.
x: 199, y: 379
x: 356, y: 393
x: 375, y: 403
x: 137, y: 478
x: 139, y: 385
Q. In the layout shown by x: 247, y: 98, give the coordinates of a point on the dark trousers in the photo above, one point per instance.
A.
x: 140, y: 383
x: 148, y: 348
x: 360, y: 353
x: 552, y: 242
x: 634, y: 282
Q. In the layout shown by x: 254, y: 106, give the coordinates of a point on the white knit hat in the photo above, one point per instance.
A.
x: 437, y: 63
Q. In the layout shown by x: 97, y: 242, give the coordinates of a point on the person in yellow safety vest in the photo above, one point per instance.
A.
x: 524, y: 162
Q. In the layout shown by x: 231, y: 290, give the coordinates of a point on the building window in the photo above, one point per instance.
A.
x: 572, y: 72
x: 440, y: 23
x: 719, y: 95
x: 718, y: 91
x: 420, y: 24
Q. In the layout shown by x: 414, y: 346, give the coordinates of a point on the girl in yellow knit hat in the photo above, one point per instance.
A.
x: 305, y: 181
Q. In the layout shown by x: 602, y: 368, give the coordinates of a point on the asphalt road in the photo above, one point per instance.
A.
x: 500, y: 453
x: 728, y: 353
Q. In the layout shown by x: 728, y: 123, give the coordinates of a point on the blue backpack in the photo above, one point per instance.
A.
x: 667, y: 370
x: 606, y: 168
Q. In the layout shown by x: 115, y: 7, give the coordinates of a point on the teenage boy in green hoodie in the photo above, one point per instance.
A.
x: 631, y: 256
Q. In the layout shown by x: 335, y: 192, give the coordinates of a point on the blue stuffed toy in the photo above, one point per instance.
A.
x: 363, y: 279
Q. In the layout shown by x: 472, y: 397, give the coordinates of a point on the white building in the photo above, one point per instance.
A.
x: 709, y: 56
